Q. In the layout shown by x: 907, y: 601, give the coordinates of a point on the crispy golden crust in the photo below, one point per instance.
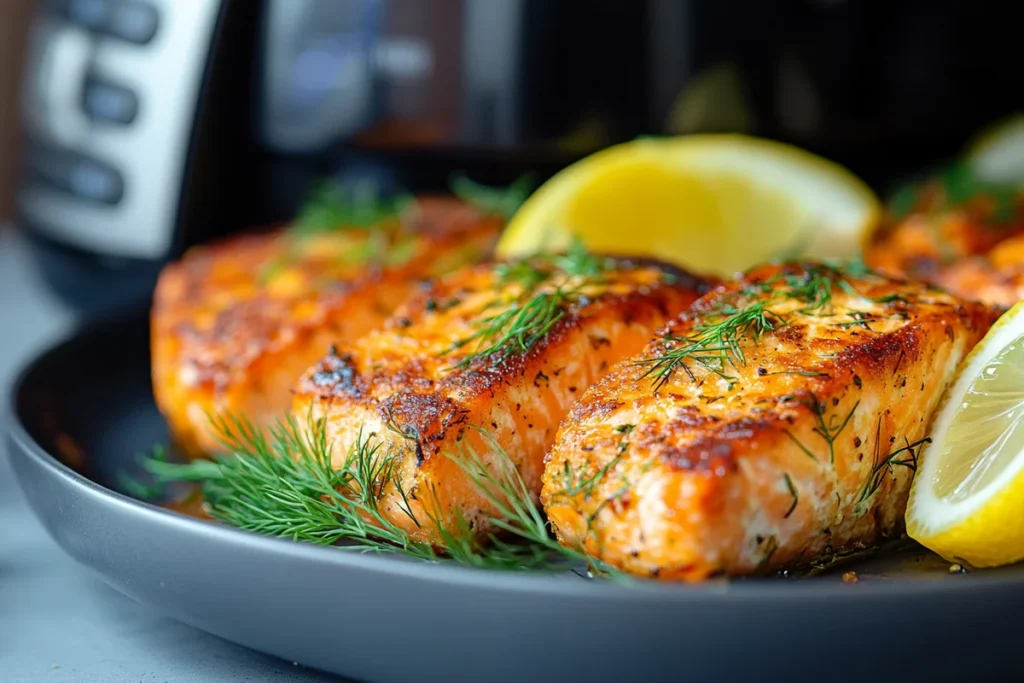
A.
x: 235, y: 323
x: 793, y: 454
x: 405, y: 384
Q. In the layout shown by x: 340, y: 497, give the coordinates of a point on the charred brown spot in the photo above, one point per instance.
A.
x: 338, y: 373
x: 426, y: 419
x: 689, y: 416
x: 708, y: 454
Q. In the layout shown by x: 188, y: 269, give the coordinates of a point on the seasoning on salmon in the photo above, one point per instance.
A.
x: 775, y: 423
x: 236, y: 323
x: 498, y: 351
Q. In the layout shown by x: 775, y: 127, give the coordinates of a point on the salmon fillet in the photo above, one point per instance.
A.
x: 450, y: 363
x: 776, y: 422
x: 996, y: 277
x: 966, y: 246
x: 234, y: 324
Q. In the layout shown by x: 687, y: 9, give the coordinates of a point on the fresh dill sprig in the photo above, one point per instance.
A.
x: 827, y: 429
x: 791, y: 487
x: 145, y: 490
x: 716, y: 343
x: 957, y: 185
x: 547, y: 286
x: 517, y: 329
x: 284, y: 483
x: 574, y: 485
x: 500, y: 201
x: 883, y: 463
x: 381, y: 239
x: 333, y: 206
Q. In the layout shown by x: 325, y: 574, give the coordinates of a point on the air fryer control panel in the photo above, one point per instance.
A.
x: 108, y: 104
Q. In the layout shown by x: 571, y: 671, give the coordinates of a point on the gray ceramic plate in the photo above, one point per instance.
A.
x: 84, y: 409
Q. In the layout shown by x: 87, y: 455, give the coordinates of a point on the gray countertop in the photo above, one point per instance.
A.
x: 59, y: 622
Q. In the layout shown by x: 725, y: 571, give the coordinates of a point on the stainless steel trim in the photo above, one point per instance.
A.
x: 166, y: 74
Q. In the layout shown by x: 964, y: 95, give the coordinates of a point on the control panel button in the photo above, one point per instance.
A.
x: 106, y: 102
x: 135, y: 21
x: 74, y: 173
x: 90, y: 14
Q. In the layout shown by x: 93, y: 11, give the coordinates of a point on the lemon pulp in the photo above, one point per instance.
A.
x: 986, y: 433
x: 728, y: 220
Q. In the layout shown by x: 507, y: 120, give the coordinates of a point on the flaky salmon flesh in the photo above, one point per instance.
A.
x: 236, y: 323
x: 775, y: 423
x: 489, y: 357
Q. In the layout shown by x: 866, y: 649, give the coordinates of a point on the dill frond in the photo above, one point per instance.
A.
x: 332, y: 206
x: 884, y: 463
x: 500, y: 201
x: 547, y: 286
x: 716, y: 343
x: 285, y: 484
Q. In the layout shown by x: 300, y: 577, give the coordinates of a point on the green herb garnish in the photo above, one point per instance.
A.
x: 499, y: 201
x: 283, y: 483
x: 883, y: 463
x: 336, y: 207
x: 716, y: 343
x: 548, y: 286
x: 375, y: 221
x: 828, y: 429
x: 954, y: 186
x: 791, y: 487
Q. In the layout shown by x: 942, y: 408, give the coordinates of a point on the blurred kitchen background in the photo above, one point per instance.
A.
x: 147, y: 126
x: 14, y: 20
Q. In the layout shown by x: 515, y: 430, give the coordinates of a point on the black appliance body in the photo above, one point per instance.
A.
x: 154, y: 125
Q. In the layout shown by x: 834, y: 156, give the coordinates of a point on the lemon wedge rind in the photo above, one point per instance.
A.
x: 717, y: 203
x: 982, y: 525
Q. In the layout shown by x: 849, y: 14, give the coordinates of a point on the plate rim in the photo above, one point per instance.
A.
x: 764, y: 589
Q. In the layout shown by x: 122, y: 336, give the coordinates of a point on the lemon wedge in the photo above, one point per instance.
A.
x: 710, y: 203
x: 967, y: 499
x: 997, y: 155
